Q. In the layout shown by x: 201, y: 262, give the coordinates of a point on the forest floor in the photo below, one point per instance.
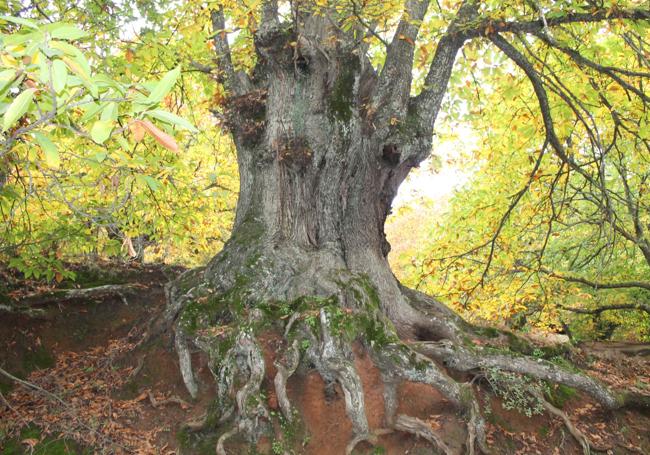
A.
x: 89, y: 388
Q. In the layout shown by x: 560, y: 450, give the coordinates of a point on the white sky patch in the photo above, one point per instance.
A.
x: 442, y: 174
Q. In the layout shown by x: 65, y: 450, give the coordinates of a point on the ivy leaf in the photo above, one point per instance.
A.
x: 164, y: 86
x: 17, y: 108
x: 49, y: 149
x: 101, y: 131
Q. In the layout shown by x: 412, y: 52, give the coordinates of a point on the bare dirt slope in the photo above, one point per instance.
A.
x: 97, y: 391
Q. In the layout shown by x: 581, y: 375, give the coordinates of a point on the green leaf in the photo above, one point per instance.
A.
x: 172, y: 119
x: 109, y: 112
x: 65, y: 47
x: 67, y: 32
x: 49, y: 149
x: 92, y: 110
x: 100, y: 156
x: 164, y: 86
x: 101, y: 131
x: 59, y: 75
x: 151, y: 182
x: 20, y: 21
x: 123, y: 142
x: 6, y: 78
x: 17, y: 108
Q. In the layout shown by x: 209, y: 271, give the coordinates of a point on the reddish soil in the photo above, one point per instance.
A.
x: 131, y: 400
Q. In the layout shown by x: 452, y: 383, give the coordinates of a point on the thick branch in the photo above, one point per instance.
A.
x: 596, y: 284
x: 627, y: 306
x: 489, y: 26
x: 542, y: 97
x: 427, y: 104
x: 394, y: 85
x: 607, y: 70
x: 233, y: 81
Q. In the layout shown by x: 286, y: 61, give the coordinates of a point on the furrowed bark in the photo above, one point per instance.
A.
x: 323, y: 143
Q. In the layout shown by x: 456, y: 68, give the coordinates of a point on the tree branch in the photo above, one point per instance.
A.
x: 489, y: 26
x: 235, y: 82
x: 602, y: 309
x: 544, y: 105
x: 607, y: 70
x: 427, y: 104
x: 391, y: 95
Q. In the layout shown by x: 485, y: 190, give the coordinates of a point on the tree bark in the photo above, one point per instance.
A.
x: 323, y: 142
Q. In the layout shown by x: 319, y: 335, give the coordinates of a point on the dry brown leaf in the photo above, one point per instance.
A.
x: 160, y: 136
x: 137, y: 130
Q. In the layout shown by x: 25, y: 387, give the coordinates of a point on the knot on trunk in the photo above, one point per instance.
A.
x: 246, y: 116
x: 293, y: 151
x: 391, y: 154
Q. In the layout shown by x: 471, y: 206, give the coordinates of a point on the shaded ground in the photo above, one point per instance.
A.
x: 119, y: 398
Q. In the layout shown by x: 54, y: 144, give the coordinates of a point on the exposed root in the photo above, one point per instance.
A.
x: 335, y: 358
x: 250, y: 408
x: 421, y: 429
x: 462, y: 359
x: 399, y: 362
x: 185, y: 361
x: 476, y: 429
x: 238, y: 365
x: 223, y: 438
x: 285, y: 370
x: 575, y: 432
x: 369, y: 437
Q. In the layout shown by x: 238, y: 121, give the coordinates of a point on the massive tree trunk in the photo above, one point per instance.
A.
x: 323, y: 142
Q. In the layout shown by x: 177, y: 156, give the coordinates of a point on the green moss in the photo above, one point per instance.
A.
x: 488, y: 332
x: 341, y: 98
x: 37, y: 359
x: 518, y: 344
x: 46, y: 446
x: 559, y: 394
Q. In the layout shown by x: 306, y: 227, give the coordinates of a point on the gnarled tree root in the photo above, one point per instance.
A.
x: 239, y: 371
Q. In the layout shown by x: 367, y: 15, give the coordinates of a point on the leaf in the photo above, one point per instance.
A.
x: 6, y: 78
x: 67, y: 32
x: 20, y: 21
x: 110, y: 112
x: 172, y: 119
x: 49, y: 149
x: 59, y: 75
x: 151, y: 182
x: 161, y: 137
x: 137, y: 130
x: 17, y: 108
x: 164, y: 86
x: 101, y: 131
x: 79, y: 66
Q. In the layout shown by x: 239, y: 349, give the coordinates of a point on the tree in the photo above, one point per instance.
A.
x: 328, y: 120
x: 90, y: 161
x: 324, y: 138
